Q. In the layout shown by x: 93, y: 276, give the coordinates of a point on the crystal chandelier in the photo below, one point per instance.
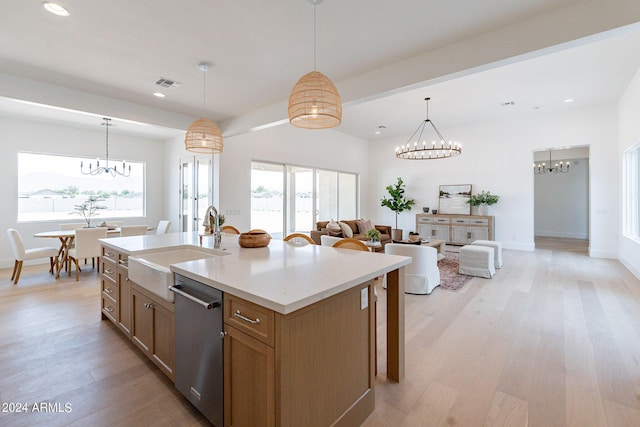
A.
x: 542, y: 168
x: 418, y: 148
x: 113, y: 170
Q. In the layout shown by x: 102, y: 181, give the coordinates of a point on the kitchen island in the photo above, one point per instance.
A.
x: 310, y: 361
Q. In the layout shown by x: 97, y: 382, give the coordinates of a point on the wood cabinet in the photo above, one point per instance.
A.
x: 272, y: 360
x: 116, y: 289
x: 144, y: 318
x: 455, y: 229
x: 153, y: 329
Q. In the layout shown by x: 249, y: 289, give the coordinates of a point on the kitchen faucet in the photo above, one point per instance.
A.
x: 212, y: 220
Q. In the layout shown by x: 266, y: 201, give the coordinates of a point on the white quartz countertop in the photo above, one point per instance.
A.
x: 281, y: 276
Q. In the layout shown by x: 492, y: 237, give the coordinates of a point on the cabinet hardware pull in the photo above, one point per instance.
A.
x: 468, y: 235
x: 246, y: 319
x: 109, y: 271
x: 126, y: 279
x: 109, y: 254
x: 108, y: 290
x: 148, y: 305
x: 222, y: 334
x: 108, y: 308
x: 123, y: 262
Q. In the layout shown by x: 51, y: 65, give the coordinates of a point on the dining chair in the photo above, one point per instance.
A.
x: 326, y: 240
x: 72, y: 225
x: 230, y: 229
x: 133, y: 230
x: 349, y: 243
x: 299, y: 239
x: 87, y: 246
x: 422, y: 275
x: 163, y: 226
x: 21, y: 254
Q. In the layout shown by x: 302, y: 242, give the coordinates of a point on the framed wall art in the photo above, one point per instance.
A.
x: 453, y: 199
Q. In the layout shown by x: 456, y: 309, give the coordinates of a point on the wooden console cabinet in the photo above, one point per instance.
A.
x: 455, y: 229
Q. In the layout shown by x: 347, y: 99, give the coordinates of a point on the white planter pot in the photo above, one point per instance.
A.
x: 483, y: 209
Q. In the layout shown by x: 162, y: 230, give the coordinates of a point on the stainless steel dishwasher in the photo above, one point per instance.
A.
x: 199, y: 348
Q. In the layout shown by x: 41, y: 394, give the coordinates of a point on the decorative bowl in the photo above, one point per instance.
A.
x: 254, y: 239
x: 414, y: 237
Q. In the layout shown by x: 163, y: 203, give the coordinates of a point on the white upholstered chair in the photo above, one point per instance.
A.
x: 133, y: 230
x: 422, y: 275
x: 163, y: 227
x: 329, y: 240
x: 21, y: 254
x: 72, y: 225
x: 87, y: 246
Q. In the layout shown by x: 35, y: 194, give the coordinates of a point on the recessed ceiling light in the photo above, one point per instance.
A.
x: 55, y: 8
x: 159, y: 94
x: 508, y: 104
x: 568, y: 100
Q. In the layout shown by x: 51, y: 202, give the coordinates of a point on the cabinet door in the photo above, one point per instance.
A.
x: 142, y: 322
x: 124, y: 309
x: 249, y: 380
x: 163, y: 350
x: 479, y: 233
x: 460, y: 235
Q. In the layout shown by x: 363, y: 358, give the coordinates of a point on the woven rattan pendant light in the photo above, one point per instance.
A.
x: 203, y: 136
x: 314, y: 102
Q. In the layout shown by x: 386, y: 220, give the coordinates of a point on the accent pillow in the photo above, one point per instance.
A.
x: 334, y: 233
x: 332, y: 225
x: 346, y: 229
x: 364, y: 225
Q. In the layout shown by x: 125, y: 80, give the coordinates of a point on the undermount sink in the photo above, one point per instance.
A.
x: 151, y: 271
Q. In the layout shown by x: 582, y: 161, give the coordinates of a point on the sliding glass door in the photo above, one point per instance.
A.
x: 290, y: 199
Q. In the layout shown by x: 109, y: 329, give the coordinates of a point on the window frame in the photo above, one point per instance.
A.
x: 56, y: 158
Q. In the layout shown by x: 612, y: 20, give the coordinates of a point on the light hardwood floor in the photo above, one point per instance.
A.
x: 552, y: 340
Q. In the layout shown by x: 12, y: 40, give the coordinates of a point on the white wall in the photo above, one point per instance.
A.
x: 562, y: 202
x: 497, y: 157
x: 22, y: 135
x: 327, y: 149
x: 629, y: 134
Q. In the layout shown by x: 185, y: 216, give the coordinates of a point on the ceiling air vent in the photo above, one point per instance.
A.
x: 167, y: 83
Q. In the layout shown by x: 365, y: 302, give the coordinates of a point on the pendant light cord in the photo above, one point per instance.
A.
x: 315, y: 36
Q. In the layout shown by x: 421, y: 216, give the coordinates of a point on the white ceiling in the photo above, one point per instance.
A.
x: 259, y: 49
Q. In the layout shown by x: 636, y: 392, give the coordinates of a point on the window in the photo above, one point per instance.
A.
x: 631, y: 197
x: 50, y: 186
x: 287, y: 199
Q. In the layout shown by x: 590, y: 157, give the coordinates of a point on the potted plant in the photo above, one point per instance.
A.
x: 483, y: 200
x: 373, y: 234
x: 398, y: 203
x: 89, y: 208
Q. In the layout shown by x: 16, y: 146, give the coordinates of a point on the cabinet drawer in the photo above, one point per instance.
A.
x: 460, y: 220
x: 250, y: 318
x: 425, y: 220
x: 109, y: 255
x: 479, y: 221
x: 110, y: 308
x: 109, y: 270
x: 123, y: 260
x: 110, y: 288
x: 442, y: 220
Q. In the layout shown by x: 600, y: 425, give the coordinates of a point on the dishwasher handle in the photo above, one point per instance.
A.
x: 208, y: 305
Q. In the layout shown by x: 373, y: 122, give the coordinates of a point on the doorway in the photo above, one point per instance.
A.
x: 197, y: 179
x: 561, y: 195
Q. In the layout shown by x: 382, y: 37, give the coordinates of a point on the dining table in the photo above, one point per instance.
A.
x: 66, y: 238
